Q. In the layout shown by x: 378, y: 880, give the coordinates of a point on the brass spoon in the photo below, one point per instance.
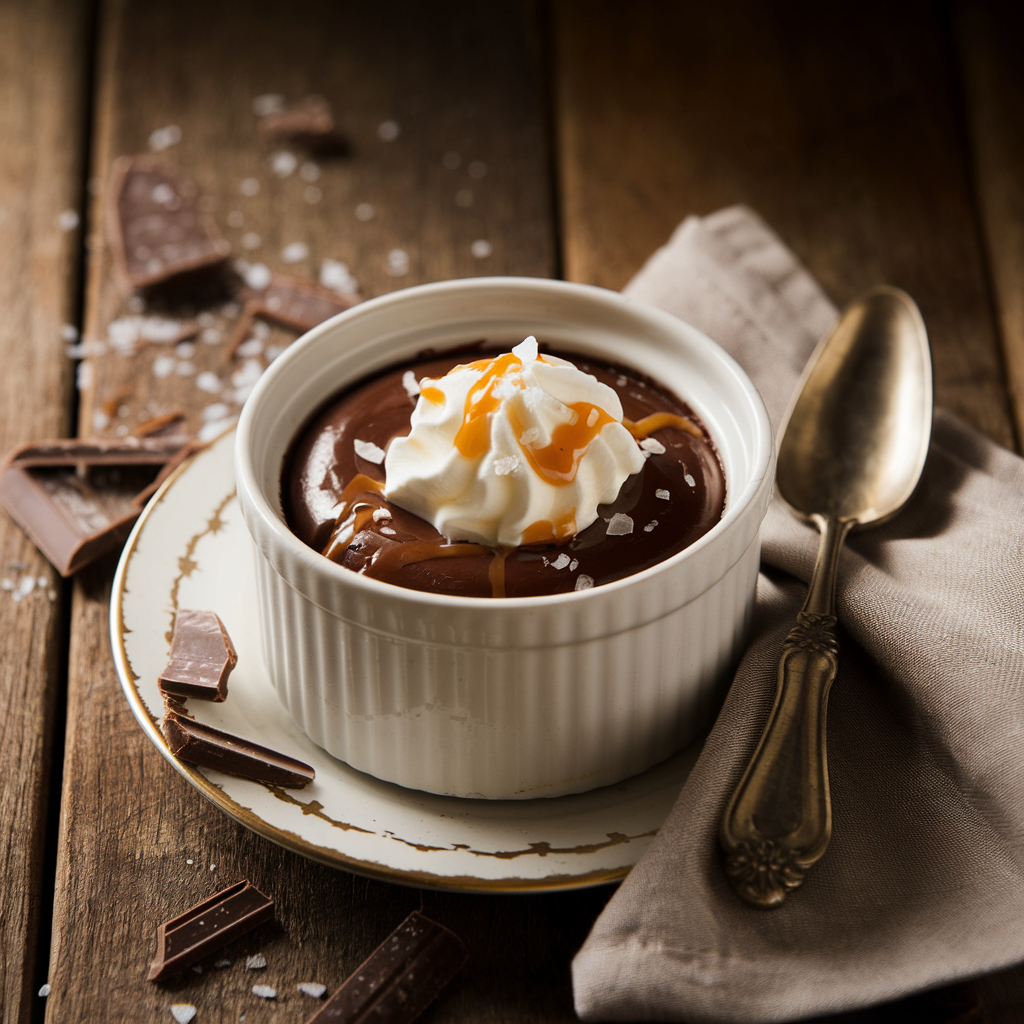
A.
x: 852, y: 450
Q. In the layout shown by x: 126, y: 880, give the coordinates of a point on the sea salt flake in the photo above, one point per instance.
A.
x: 294, y: 252
x: 236, y: 218
x: 211, y: 336
x: 506, y: 465
x: 388, y: 131
x: 185, y: 349
x: 650, y: 526
x: 183, y: 1012
x: 100, y: 420
x: 619, y: 525
x: 481, y: 248
x: 185, y: 368
x: 410, y: 383
x: 584, y: 582
x: 398, y: 262
x: 256, y: 962
x: 365, y: 211
x: 652, y: 445
x: 312, y: 194
x: 209, y: 382
x: 247, y: 374
x: 388, y: 531
x: 257, y: 276
x: 264, y: 991
x: 69, y: 333
x: 213, y: 429
x: 662, y: 493
x: 268, y: 103
x: 335, y: 275
x: 249, y: 187
x: 252, y: 347
x: 250, y: 240
x: 197, y: 968
x: 272, y: 352
x: 309, y: 171
x: 45, y: 990
x: 311, y: 988
x: 189, y: 861
x: 68, y: 220
x: 573, y: 564
x: 530, y: 436
x: 7, y: 583
x: 283, y: 163
x: 369, y: 451
x: 164, y: 195
x: 561, y: 561
x: 217, y: 411
x: 261, y: 329
x: 83, y: 376
x: 690, y: 481
x: 164, y: 138
x: 593, y: 417
x: 381, y: 515
x: 221, y: 963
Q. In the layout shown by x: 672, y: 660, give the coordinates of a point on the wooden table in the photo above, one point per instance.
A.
x: 882, y: 146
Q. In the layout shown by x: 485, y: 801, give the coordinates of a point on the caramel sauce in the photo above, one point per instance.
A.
x: 496, y: 571
x: 435, y: 395
x: 546, y: 532
x: 658, y: 421
x: 474, y: 436
x: 394, y: 556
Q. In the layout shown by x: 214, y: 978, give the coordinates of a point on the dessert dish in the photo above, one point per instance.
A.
x: 526, y: 497
x: 512, y: 697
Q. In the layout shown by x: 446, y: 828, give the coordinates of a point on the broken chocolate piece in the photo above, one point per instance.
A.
x: 207, y: 926
x: 308, y: 123
x: 156, y: 232
x: 206, y: 747
x: 202, y: 657
x: 401, y: 978
x: 292, y: 303
x: 78, y: 499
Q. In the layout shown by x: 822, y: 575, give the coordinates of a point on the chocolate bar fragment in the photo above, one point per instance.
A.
x: 292, y: 303
x: 400, y: 979
x: 308, y: 123
x: 156, y: 231
x: 206, y: 747
x: 78, y: 499
x: 207, y: 927
x: 202, y: 657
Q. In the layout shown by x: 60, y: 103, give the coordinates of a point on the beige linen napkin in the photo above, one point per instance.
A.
x: 923, y: 881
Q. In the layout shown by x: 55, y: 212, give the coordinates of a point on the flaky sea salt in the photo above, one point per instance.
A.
x: 309, y: 171
x: 185, y: 368
x: 312, y: 194
x: 294, y: 252
x: 335, y: 275
x: 410, y: 383
x: 369, y: 451
x: 268, y: 103
x: 506, y: 465
x: 252, y: 347
x: 388, y: 131
x: 690, y: 481
x: 236, y: 218
x: 662, y: 493
x: 250, y: 240
x: 365, y: 211
x: 183, y: 1012
x: 311, y: 988
x: 652, y: 445
x: 619, y: 525
x: 249, y: 187
x: 481, y: 248
x: 264, y: 991
x: 209, y: 382
x: 650, y: 526
x: 164, y: 138
x: 398, y: 262
x: 256, y: 962
x: 381, y: 515
x: 573, y: 564
x: 584, y: 582
x: 561, y: 561
x: 69, y: 333
x: 257, y: 276
x: 283, y: 163
x: 68, y: 220
x: 222, y: 963
x: 213, y: 429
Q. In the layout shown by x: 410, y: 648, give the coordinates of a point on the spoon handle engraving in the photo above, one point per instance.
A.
x: 779, y: 819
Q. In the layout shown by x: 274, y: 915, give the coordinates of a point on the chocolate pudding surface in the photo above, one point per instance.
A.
x: 324, y: 480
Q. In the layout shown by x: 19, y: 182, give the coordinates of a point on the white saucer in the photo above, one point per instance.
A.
x: 190, y: 549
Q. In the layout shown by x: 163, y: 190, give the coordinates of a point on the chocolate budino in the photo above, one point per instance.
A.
x: 677, y: 497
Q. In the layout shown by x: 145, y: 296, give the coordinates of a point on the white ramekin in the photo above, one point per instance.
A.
x: 516, y: 697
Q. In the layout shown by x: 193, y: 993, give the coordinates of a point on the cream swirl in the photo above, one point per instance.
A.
x: 516, y: 449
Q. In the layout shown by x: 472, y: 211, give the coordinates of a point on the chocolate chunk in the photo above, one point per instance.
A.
x: 156, y: 231
x: 78, y: 499
x: 401, y: 978
x: 207, y: 747
x: 308, y: 123
x: 207, y: 926
x: 201, y: 659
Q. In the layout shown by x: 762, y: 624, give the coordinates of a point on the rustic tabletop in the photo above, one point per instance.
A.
x: 562, y: 140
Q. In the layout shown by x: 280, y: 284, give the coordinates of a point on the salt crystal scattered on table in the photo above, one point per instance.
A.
x: 388, y: 130
x: 189, y: 861
x: 256, y: 962
x: 561, y: 561
x: 136, y: 304
x: 261, y: 330
x: 211, y: 336
x: 311, y: 988
x: 69, y: 333
x: 257, y: 276
x: 264, y: 991
x: 294, y: 252
x: 83, y: 376
x: 7, y: 583
x: 185, y: 349
x: 410, y: 383
x: 197, y: 968
x: 250, y: 240
x: 481, y: 249
x: 100, y: 420
x: 283, y: 163
x: 221, y: 963
x: 68, y: 220
x: 217, y: 411
x: 312, y: 194
x: 252, y: 347
x: 365, y: 211
x: 236, y: 218
x: 163, y: 366
x: 650, y: 526
x: 185, y: 368
x: 272, y: 352
x: 652, y: 445
x: 584, y: 582
x: 369, y: 451
x: 477, y: 169
x: 690, y: 481
x: 164, y: 138
x: 619, y: 525
x: 464, y: 198
x: 451, y: 160
x: 335, y: 275
x: 183, y: 1012
x: 45, y: 990
x: 398, y: 262
x: 309, y: 171
x: 213, y: 429
x: 249, y: 187
x: 209, y: 382
x: 662, y: 493
x: 268, y: 103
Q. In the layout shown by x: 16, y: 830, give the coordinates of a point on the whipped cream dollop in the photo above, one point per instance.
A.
x: 516, y: 449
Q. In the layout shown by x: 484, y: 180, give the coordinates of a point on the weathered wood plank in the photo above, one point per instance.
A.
x: 989, y: 37
x: 462, y: 79
x: 42, y: 80
x: 841, y: 131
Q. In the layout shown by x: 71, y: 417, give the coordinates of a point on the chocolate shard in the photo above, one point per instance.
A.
x: 207, y: 927
x: 202, y: 657
x: 156, y: 231
x: 78, y: 499
x: 206, y: 747
x: 308, y: 123
x: 400, y: 979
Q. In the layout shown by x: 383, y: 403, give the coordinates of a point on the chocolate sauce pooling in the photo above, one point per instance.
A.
x: 323, y: 461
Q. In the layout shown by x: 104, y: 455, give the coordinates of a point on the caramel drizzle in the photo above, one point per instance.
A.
x: 659, y: 421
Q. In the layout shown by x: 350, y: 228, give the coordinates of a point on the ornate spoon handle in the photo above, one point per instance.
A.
x: 779, y: 819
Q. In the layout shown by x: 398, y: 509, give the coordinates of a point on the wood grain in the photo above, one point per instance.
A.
x: 989, y: 36
x: 465, y: 82
x: 42, y: 67
x: 841, y: 131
